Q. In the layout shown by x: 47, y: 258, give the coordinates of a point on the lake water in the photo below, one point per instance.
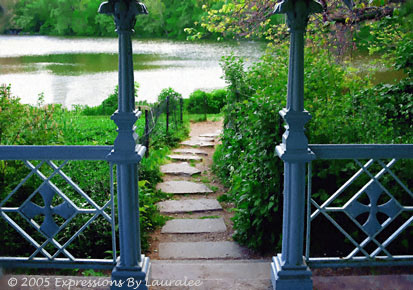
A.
x: 84, y: 70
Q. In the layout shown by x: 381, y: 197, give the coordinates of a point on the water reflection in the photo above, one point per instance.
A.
x: 77, y: 64
x: 84, y: 70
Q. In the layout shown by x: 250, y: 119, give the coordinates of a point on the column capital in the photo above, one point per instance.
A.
x: 297, y: 12
x: 125, y: 149
x: 124, y: 12
x: 294, y: 147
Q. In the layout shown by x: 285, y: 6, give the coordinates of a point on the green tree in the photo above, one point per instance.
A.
x: 255, y: 19
x: 169, y: 18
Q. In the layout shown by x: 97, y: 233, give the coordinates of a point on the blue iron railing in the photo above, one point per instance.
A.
x: 67, y: 210
x: 369, y: 242
x: 125, y: 154
x: 289, y: 269
x: 171, y: 106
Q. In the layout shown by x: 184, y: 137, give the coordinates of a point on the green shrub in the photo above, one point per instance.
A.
x: 25, y: 124
x: 201, y: 102
x: 51, y: 124
x: 342, y: 113
x: 216, y: 100
x: 174, y: 101
x: 168, y: 92
x: 197, y: 102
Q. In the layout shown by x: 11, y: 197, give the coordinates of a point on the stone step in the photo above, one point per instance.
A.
x: 185, y: 157
x: 183, y: 187
x: 194, y: 226
x: 182, y: 168
x: 217, y: 275
x: 201, y: 250
x: 190, y: 151
x: 189, y: 205
x: 206, y: 139
x: 212, y: 135
x: 197, y: 143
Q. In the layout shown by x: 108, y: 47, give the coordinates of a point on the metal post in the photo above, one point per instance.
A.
x: 205, y: 106
x: 181, y: 104
x: 146, y: 132
x: 132, y: 267
x: 288, y: 269
x: 167, y: 114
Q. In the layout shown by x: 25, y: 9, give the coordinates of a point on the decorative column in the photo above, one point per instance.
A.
x: 132, y: 268
x: 288, y: 269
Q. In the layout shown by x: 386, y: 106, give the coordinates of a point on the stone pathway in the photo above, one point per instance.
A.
x: 200, y: 228
x: 181, y: 168
x: 196, y: 243
x: 183, y: 187
x: 190, y: 226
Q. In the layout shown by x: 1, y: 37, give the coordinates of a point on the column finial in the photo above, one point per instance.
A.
x: 297, y: 12
x: 124, y: 12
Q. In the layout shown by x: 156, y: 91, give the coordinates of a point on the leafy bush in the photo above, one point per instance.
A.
x: 168, y: 92
x: 174, y: 99
x: 27, y: 125
x: 24, y: 124
x: 197, y: 102
x: 342, y: 113
x: 201, y: 102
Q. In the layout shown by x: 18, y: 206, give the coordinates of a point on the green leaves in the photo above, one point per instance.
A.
x: 60, y: 17
x: 344, y: 110
x: 201, y: 102
x: 51, y: 124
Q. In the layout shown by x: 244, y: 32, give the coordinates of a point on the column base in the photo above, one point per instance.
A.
x: 131, y: 278
x: 290, y: 278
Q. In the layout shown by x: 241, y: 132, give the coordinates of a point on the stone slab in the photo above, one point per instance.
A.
x: 200, y: 250
x: 185, y: 157
x: 213, y: 135
x: 182, y: 168
x: 197, y: 143
x: 183, y: 187
x: 193, y: 226
x: 216, y: 275
x: 190, y: 151
x: 206, y: 139
x: 189, y: 205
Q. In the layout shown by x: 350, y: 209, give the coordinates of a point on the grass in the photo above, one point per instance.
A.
x: 205, y: 179
x: 55, y: 125
x: 201, y: 117
x: 209, y: 217
x: 213, y: 188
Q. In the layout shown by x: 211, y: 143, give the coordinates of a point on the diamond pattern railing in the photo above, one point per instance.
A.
x: 56, y: 217
x: 368, y: 248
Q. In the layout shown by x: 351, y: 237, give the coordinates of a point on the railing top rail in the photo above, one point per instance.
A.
x: 362, y: 151
x: 32, y: 152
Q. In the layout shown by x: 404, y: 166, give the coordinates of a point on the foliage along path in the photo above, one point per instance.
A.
x: 197, y: 240
x: 196, y: 244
